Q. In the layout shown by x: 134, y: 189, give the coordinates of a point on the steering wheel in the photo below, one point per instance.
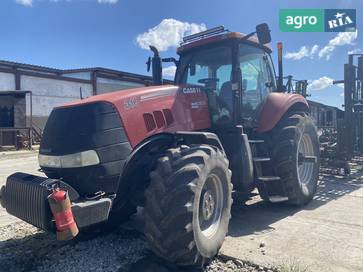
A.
x: 208, y: 80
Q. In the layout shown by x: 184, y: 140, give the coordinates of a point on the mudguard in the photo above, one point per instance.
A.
x: 276, y: 105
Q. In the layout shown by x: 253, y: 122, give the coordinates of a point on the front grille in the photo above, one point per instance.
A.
x: 96, y: 126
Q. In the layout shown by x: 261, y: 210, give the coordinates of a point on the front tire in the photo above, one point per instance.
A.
x: 293, y: 140
x: 188, y: 204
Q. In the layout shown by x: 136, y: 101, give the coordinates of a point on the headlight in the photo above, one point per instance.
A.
x: 81, y: 159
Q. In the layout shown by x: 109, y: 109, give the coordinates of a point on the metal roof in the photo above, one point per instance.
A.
x: 105, y: 70
x: 19, y: 65
x: 14, y: 64
x: 319, y: 104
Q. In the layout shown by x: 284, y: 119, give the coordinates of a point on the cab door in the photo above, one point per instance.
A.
x: 257, y: 81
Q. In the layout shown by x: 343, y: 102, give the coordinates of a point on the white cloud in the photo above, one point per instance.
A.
x: 304, y: 52
x: 25, y: 2
x: 169, y: 71
x: 168, y: 33
x: 343, y: 38
x: 107, y: 1
x: 320, y: 84
x: 314, y: 50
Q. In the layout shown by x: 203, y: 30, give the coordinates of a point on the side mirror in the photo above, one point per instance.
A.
x: 263, y: 33
x: 148, y: 64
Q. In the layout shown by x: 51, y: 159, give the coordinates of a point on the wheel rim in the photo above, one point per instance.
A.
x: 305, y: 168
x: 210, y: 206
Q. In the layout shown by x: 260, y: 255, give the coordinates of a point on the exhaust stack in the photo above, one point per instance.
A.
x: 156, y: 66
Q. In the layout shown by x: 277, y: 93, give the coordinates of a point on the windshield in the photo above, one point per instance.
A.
x: 211, y: 69
x: 206, y: 66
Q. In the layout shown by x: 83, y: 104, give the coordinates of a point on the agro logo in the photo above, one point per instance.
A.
x: 301, y: 20
x: 298, y: 21
x: 317, y: 20
x: 340, y: 20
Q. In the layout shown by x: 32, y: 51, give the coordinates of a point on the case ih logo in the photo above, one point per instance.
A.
x: 191, y: 90
x: 317, y: 20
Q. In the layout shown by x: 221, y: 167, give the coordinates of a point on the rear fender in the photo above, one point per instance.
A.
x: 276, y: 105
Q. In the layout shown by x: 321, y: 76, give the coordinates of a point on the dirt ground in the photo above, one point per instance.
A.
x: 325, y: 235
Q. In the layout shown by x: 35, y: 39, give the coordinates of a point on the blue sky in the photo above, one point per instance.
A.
x: 89, y: 33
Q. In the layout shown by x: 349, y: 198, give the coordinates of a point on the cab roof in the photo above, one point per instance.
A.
x: 187, y: 45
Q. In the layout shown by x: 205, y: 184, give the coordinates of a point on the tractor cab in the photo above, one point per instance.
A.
x: 235, y: 71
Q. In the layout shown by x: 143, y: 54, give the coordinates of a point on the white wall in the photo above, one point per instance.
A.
x: 49, y: 93
x: 105, y: 85
x: 7, y: 82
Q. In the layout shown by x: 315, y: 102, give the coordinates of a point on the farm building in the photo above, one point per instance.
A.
x: 324, y: 115
x: 28, y: 93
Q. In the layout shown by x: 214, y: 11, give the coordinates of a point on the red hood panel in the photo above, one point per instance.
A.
x: 188, y: 107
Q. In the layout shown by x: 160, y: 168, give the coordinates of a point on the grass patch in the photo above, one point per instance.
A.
x: 292, y: 267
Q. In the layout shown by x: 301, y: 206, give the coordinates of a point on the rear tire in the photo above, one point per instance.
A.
x: 293, y: 138
x: 188, y: 204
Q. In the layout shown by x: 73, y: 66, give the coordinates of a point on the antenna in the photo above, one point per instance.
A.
x: 280, y: 82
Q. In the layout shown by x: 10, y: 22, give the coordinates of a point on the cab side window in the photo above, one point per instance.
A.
x: 256, y: 77
x: 200, y: 71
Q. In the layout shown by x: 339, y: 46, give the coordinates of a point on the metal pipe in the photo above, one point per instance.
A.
x: 31, y: 120
x: 156, y: 65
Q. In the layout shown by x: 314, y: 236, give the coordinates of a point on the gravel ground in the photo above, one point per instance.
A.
x: 25, y: 248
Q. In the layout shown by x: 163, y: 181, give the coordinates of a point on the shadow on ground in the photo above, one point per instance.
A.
x: 261, y: 215
x: 151, y: 263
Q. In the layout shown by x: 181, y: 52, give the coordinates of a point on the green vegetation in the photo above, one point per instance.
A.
x: 292, y: 266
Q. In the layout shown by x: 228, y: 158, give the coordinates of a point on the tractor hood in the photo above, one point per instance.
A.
x: 150, y: 110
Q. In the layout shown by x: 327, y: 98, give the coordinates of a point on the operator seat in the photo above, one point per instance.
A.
x: 226, y: 94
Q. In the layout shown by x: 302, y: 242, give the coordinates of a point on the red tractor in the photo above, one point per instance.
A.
x: 177, y: 150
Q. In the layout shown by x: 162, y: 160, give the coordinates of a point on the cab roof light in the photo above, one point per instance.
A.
x: 204, y: 34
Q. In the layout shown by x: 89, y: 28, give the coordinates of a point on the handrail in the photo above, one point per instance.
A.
x: 18, y: 129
